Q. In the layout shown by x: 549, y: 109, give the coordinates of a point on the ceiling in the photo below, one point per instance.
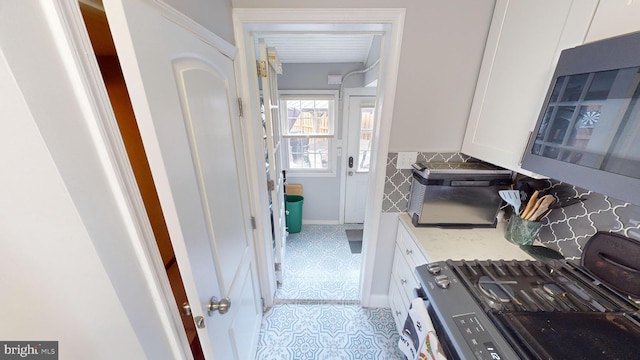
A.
x: 319, y: 48
x: 291, y: 47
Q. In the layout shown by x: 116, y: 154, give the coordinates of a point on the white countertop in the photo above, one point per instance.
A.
x: 439, y: 244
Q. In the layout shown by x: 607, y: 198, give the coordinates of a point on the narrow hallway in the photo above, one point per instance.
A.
x: 319, y: 265
x: 317, y: 314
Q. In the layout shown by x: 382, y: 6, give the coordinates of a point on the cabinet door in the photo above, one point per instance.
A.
x: 523, y: 45
x: 613, y: 18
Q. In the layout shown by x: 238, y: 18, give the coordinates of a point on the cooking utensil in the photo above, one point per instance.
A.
x: 541, y: 208
x: 530, y: 204
x: 512, y: 197
x: 615, y: 260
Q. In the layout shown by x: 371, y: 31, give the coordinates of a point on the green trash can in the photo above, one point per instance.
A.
x: 293, y: 207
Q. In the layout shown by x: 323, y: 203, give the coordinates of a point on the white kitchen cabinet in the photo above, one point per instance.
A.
x: 524, y: 42
x: 406, y: 257
x: 613, y: 18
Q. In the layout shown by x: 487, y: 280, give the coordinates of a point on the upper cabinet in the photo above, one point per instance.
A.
x: 613, y: 18
x: 523, y: 45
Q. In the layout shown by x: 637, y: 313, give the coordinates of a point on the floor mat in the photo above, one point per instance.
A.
x: 355, y: 240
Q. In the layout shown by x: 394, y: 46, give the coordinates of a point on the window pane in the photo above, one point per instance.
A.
x: 308, y: 116
x: 308, y: 153
x: 364, y: 147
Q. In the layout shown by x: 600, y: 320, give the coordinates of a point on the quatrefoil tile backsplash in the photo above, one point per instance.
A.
x: 566, y: 229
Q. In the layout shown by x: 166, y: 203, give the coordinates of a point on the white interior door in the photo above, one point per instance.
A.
x: 184, y: 97
x: 360, y: 118
x: 273, y: 142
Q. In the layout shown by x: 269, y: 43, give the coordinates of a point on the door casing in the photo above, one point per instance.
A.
x: 389, y: 23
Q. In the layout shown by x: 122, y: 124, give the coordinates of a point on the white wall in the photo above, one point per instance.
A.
x: 54, y: 286
x: 321, y: 194
x: 443, y: 43
x: 73, y: 268
x: 215, y: 15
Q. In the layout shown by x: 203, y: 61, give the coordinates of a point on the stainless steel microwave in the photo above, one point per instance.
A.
x: 588, y: 130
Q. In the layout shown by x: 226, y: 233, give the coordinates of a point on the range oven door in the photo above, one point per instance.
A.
x: 419, y: 338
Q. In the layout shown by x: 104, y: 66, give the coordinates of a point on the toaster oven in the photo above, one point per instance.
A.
x: 456, y: 195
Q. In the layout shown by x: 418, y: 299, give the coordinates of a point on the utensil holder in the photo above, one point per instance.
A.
x: 520, y: 231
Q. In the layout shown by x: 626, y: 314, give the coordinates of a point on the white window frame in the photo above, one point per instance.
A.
x: 332, y: 157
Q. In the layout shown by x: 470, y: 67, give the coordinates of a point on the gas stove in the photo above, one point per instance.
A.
x: 528, y: 310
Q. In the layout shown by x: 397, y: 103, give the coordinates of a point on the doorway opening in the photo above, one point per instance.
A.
x: 315, y: 125
x: 249, y: 25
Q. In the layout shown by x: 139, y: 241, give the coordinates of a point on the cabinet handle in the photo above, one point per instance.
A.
x: 403, y: 281
x: 409, y: 252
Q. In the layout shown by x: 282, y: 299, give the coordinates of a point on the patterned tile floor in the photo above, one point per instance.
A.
x: 318, y: 265
x: 327, y: 331
x: 317, y: 313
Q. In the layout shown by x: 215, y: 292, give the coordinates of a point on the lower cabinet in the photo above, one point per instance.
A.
x: 406, y: 257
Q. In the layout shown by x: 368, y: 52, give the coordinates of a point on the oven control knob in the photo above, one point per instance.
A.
x: 434, y: 269
x: 443, y: 281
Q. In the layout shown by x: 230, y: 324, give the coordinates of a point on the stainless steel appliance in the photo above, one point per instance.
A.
x: 588, y: 130
x: 456, y: 194
x: 551, y: 309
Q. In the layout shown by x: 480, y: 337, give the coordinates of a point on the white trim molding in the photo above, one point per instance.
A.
x: 388, y: 22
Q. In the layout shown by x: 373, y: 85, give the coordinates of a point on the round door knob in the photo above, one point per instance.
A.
x: 350, y: 173
x: 222, y: 306
x: 186, y: 309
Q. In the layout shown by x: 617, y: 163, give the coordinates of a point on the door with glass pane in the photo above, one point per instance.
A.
x: 270, y: 68
x: 361, y: 111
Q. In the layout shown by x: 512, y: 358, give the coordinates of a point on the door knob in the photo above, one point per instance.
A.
x: 186, y: 309
x: 222, y: 306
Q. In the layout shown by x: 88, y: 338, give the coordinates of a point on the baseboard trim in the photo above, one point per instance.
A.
x: 321, y: 222
x: 378, y: 301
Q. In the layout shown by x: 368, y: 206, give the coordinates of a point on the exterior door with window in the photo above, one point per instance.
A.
x: 360, y: 117
x: 183, y: 93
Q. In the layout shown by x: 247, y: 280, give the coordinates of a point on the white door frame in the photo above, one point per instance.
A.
x: 387, y: 22
x: 345, y: 98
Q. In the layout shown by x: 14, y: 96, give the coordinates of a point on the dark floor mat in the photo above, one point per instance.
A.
x: 355, y: 240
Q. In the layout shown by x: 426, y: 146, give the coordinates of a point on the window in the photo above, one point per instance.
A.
x: 364, y: 142
x: 308, y: 132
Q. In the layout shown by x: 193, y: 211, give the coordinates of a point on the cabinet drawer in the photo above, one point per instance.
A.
x: 405, y: 277
x: 399, y: 309
x: 408, y: 247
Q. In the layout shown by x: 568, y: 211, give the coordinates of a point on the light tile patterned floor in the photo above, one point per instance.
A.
x: 317, y: 313
x: 318, y: 265
x: 327, y: 331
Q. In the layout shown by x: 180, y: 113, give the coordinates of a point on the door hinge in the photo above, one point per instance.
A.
x: 253, y: 223
x: 277, y: 266
x: 240, y: 109
x: 262, y: 68
x: 263, y: 303
x: 271, y: 185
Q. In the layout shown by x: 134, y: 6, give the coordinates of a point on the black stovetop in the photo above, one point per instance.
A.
x: 527, y: 309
